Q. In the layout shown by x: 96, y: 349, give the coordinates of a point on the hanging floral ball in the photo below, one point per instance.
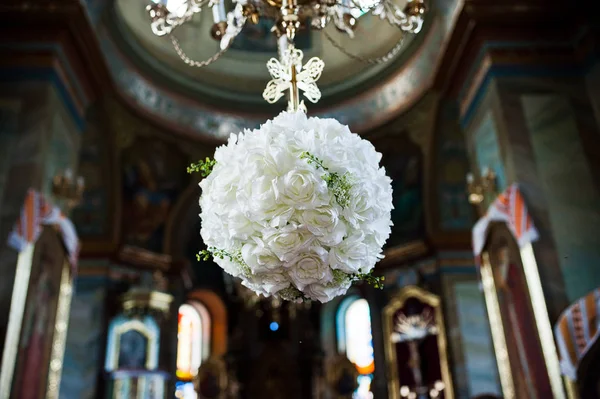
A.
x: 298, y: 209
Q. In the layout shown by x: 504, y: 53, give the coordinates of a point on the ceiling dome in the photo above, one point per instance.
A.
x: 238, y: 78
x: 226, y: 97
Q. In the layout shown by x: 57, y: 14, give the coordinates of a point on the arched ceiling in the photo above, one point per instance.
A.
x: 225, y: 97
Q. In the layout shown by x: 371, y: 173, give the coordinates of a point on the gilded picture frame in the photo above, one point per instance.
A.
x: 396, y: 303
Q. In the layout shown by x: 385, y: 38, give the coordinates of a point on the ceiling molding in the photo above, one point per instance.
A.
x: 511, y: 33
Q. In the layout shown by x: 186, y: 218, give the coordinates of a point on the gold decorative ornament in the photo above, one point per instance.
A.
x: 59, y: 339
x: 142, y: 301
x: 496, y: 327
x: 482, y: 191
x: 67, y: 188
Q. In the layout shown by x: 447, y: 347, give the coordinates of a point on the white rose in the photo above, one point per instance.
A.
x: 269, y: 283
x: 360, y: 208
x: 380, y: 229
x: 254, y: 285
x: 213, y: 233
x: 326, y: 292
x: 325, y: 224
x: 239, y: 226
x: 309, y: 267
x: 223, y: 185
x: 352, y: 254
x: 259, y: 258
x: 270, y: 158
x: 302, y: 187
x: 287, y: 241
x: 259, y: 202
x: 229, y: 266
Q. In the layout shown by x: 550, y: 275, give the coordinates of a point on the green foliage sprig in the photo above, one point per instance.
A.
x: 236, y: 258
x: 291, y: 293
x: 204, y: 167
x: 369, y: 278
x: 340, y: 185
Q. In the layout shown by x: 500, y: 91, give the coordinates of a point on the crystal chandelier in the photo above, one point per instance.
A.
x: 289, y: 75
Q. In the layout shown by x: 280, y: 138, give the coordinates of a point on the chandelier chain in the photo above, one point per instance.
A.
x: 373, y: 61
x: 198, y: 64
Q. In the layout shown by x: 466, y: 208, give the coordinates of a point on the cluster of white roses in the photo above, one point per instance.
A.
x: 298, y: 209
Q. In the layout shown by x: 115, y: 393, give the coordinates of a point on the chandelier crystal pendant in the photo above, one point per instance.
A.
x: 300, y: 208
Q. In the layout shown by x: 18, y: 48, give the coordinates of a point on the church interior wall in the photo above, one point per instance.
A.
x: 540, y: 131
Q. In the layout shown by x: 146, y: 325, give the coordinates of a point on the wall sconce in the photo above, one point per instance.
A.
x: 68, y: 189
x: 482, y: 190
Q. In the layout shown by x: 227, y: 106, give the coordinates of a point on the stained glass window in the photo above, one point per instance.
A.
x: 193, y: 346
x: 356, y: 340
x: 189, y: 339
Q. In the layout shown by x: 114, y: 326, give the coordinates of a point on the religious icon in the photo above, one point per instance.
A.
x: 37, y: 333
x: 132, y: 350
x: 416, y: 346
x: 154, y: 174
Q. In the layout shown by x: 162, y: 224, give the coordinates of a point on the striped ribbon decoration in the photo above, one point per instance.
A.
x: 576, y: 331
x: 29, y: 226
x: 510, y: 208
x: 37, y: 212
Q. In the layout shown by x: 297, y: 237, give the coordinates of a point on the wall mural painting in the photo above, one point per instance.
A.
x: 403, y: 162
x: 259, y: 38
x: 455, y: 211
x: 154, y: 174
x: 37, y: 332
x: 91, y: 216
